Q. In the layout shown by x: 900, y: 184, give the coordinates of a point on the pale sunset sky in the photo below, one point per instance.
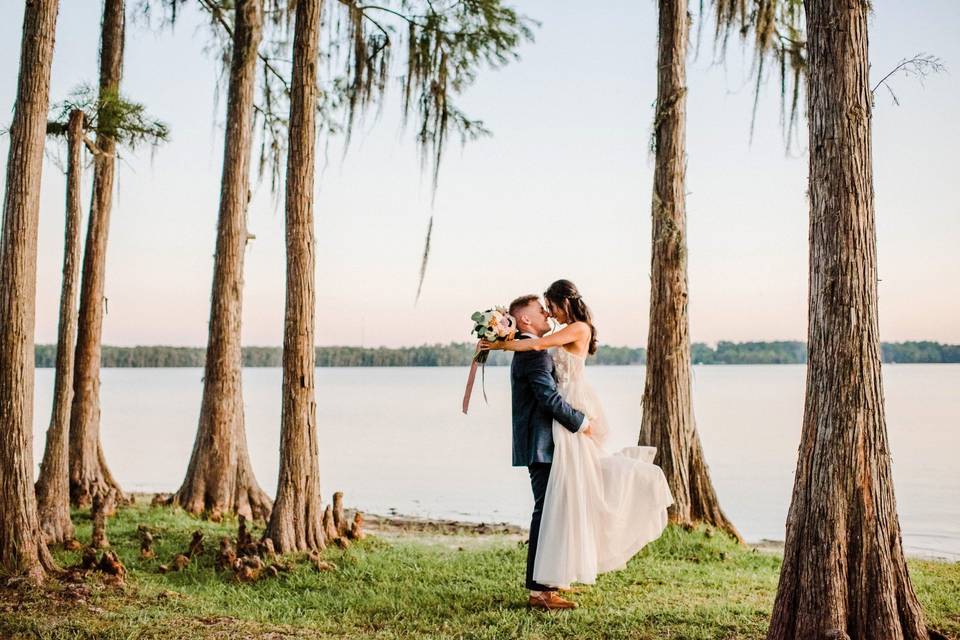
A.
x: 562, y: 189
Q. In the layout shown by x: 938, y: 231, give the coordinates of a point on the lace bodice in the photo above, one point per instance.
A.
x: 573, y: 386
x: 569, y: 367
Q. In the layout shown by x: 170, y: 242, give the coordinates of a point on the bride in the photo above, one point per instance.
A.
x: 600, y: 508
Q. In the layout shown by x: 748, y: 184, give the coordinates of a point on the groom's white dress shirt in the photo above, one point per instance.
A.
x: 586, y: 420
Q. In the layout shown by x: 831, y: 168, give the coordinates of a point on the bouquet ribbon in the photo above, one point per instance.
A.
x: 469, y: 390
x: 479, y: 359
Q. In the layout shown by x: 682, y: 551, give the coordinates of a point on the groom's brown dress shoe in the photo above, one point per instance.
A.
x: 550, y: 600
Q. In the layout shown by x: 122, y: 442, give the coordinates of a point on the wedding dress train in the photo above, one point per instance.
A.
x: 600, y: 509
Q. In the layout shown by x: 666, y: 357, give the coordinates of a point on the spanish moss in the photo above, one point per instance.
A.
x: 442, y: 47
x: 777, y: 28
x: 423, y: 262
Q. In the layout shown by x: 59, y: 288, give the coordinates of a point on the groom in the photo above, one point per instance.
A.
x: 536, y: 404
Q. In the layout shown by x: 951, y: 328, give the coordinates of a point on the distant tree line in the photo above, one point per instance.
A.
x: 782, y: 352
x: 924, y: 351
x: 458, y: 354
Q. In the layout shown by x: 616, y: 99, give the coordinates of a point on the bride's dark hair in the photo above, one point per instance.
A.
x: 563, y: 294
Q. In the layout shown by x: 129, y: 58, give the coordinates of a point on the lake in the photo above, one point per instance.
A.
x: 394, y: 439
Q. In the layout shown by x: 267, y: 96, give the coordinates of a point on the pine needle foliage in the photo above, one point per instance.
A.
x: 114, y: 115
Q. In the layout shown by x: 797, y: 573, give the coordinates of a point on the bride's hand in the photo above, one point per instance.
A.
x: 589, y: 428
x: 486, y: 345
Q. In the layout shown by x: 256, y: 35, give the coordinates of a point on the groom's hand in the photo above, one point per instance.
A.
x: 587, y: 430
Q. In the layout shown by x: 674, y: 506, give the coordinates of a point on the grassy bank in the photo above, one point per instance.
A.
x: 686, y: 585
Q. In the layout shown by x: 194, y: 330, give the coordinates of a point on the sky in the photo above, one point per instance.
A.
x: 561, y: 190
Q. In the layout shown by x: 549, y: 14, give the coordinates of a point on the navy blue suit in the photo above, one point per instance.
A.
x: 536, y: 404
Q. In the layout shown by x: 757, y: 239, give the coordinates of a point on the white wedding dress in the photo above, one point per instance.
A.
x: 600, y: 509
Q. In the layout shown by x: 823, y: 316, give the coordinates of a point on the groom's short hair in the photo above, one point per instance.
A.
x: 521, y: 303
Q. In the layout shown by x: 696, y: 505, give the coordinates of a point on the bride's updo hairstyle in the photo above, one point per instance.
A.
x: 563, y: 295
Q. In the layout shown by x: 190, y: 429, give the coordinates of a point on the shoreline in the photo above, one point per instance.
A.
x: 398, y: 525
x: 447, y: 531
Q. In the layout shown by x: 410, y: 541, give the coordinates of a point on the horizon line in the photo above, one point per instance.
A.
x: 466, y: 342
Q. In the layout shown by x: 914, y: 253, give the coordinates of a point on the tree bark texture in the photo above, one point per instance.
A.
x: 339, y: 519
x: 22, y: 549
x: 844, y: 574
x: 219, y: 477
x: 668, y: 422
x: 89, y: 473
x: 53, y: 485
x: 296, y: 521
x: 99, y: 509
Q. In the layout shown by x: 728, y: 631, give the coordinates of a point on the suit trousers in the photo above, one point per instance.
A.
x: 539, y: 475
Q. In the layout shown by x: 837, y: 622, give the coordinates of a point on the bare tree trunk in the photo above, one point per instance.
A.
x: 53, y: 486
x: 219, y: 476
x: 22, y: 549
x: 844, y: 574
x: 339, y: 520
x: 98, y: 514
x: 668, y: 422
x: 88, y: 468
x: 296, y: 521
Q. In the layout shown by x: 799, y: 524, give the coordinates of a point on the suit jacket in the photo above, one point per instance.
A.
x: 536, y: 404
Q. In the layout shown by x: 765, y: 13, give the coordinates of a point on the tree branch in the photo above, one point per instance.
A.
x: 920, y: 65
x: 92, y: 146
x: 408, y: 19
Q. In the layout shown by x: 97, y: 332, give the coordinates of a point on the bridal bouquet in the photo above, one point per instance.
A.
x: 493, y: 325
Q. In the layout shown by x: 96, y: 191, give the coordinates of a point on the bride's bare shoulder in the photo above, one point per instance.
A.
x: 581, y: 327
x: 581, y: 333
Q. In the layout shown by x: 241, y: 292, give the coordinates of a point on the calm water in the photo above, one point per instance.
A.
x: 394, y: 439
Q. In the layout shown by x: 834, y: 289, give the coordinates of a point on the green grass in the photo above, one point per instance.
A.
x: 689, y: 585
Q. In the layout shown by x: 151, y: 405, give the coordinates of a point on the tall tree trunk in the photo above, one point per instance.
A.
x: 844, y: 574
x: 295, y: 524
x: 88, y: 467
x: 22, y: 549
x: 53, y: 486
x: 220, y: 477
x: 668, y: 422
